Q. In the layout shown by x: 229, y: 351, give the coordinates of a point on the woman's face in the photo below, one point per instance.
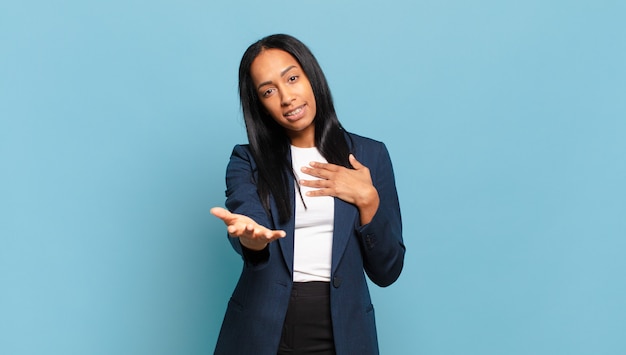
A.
x: 286, y: 94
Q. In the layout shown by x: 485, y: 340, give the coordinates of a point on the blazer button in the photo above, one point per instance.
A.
x: 336, y: 281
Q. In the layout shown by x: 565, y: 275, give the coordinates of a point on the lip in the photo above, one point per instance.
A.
x: 296, y: 116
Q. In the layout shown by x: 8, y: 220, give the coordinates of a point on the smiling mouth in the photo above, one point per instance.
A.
x: 294, y: 113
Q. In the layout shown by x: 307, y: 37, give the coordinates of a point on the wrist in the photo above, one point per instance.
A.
x: 369, y: 198
x: 253, y: 257
x: 368, y: 205
x: 254, y: 246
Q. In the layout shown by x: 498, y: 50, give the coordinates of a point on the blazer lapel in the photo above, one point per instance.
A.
x: 344, y: 224
x: 286, y: 243
x: 346, y: 216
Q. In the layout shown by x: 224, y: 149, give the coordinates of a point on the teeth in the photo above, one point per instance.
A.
x: 294, y: 112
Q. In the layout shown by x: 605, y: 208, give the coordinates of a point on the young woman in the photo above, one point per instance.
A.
x: 310, y: 208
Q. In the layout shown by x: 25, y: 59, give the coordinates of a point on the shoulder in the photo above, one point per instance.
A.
x: 241, y: 158
x: 371, y: 153
x: 241, y: 151
x: 364, y: 145
x: 361, y: 140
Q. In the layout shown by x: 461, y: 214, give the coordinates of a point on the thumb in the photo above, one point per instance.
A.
x: 220, y: 212
x: 355, y: 163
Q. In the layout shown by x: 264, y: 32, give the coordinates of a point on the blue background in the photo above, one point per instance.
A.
x: 506, y: 122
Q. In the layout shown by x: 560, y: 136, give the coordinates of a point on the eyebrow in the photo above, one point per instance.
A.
x: 282, y: 73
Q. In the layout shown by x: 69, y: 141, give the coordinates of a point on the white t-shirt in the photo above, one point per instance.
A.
x: 313, y: 239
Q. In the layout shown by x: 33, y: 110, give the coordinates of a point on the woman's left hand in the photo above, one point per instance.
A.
x: 351, y: 185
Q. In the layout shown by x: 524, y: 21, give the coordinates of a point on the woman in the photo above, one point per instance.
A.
x: 310, y: 207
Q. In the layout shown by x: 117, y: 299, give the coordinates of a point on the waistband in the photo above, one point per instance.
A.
x: 313, y: 288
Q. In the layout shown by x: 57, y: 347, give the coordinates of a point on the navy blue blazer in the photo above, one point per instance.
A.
x: 256, y: 311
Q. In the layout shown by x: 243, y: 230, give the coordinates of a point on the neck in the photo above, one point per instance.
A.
x: 304, y: 139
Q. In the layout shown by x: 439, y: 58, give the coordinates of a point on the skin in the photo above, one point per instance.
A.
x: 286, y: 94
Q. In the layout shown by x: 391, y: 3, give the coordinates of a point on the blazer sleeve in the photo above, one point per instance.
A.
x: 381, y: 239
x: 242, y: 198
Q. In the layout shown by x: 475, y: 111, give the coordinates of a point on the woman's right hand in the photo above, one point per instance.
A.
x: 251, y: 234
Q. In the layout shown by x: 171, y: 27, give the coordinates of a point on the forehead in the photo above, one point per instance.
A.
x: 270, y: 64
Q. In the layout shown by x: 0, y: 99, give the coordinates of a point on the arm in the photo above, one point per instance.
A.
x: 381, y: 239
x: 247, y: 220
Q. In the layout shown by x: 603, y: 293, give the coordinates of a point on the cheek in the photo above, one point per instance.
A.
x: 266, y: 105
x: 272, y: 108
x: 310, y: 93
x: 312, y: 102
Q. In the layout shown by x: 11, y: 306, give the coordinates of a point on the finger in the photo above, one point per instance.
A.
x: 266, y: 234
x: 318, y: 173
x: 277, y: 234
x: 260, y: 232
x: 240, y: 230
x: 355, y: 163
x: 320, y: 192
x: 234, y: 231
x: 272, y: 235
x: 250, y: 231
x: 325, y: 166
x: 220, y: 212
x: 314, y: 183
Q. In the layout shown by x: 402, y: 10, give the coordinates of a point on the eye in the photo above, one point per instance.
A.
x: 267, y: 92
x: 293, y: 78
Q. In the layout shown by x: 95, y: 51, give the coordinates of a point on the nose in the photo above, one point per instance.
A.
x: 286, y: 97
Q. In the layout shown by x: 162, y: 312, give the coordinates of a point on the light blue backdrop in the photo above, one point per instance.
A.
x: 506, y: 121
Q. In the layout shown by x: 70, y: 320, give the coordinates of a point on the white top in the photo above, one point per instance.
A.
x: 313, y: 239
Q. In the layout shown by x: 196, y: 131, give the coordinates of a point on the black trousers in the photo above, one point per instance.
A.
x: 308, y: 327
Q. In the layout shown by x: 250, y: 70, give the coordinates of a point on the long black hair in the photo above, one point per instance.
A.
x: 268, y: 140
